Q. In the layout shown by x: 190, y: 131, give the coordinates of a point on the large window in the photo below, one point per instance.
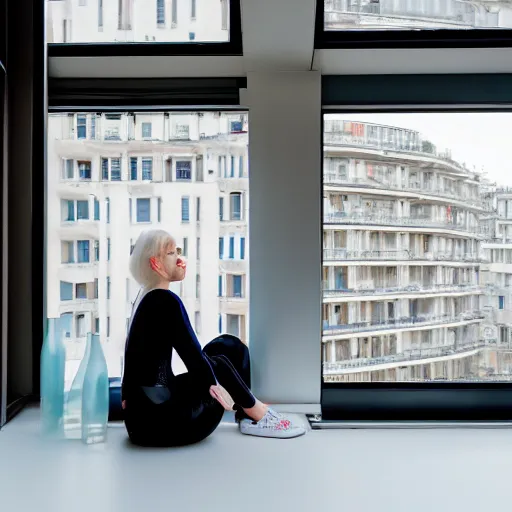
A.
x: 137, y: 21
x: 411, y: 15
x: 118, y: 159
x: 417, y: 248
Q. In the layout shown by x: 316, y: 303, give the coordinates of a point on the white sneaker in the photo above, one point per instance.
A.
x: 272, y: 424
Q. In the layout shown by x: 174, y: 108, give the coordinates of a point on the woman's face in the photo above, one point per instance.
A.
x: 173, y: 263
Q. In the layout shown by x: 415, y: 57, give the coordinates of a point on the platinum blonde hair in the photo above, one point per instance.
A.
x: 152, y: 243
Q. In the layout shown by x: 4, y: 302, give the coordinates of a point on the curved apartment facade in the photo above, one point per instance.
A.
x: 401, y: 262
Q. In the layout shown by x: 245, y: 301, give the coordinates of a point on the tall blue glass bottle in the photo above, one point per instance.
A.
x: 53, y: 360
x: 73, y: 403
x: 95, y: 395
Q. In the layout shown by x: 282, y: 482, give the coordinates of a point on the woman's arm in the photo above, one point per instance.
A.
x: 177, y: 330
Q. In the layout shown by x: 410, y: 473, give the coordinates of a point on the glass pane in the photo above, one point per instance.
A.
x: 417, y: 247
x: 416, y: 14
x: 137, y: 21
x: 89, y: 250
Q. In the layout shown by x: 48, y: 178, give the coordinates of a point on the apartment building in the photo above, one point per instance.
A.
x: 420, y: 14
x: 402, y: 258
x: 96, y: 21
x: 113, y: 175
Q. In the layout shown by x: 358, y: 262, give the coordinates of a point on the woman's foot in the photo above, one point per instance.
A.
x: 272, y: 424
x: 257, y: 412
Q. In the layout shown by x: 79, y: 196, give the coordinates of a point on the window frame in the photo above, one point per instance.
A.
x: 394, y: 39
x: 232, y: 47
x: 414, y: 401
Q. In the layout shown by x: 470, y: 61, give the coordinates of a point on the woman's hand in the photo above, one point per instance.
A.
x: 222, y: 396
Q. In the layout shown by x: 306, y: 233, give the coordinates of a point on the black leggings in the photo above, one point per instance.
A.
x: 191, y: 415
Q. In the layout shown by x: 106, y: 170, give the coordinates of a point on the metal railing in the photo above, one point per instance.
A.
x: 393, y: 255
x: 411, y: 288
x: 334, y: 179
x: 370, y: 219
x: 407, y: 355
x: 401, y: 323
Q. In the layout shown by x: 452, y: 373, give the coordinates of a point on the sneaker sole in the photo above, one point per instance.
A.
x: 281, y: 435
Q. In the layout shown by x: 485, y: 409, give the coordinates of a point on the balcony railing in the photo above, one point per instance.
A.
x: 404, y: 255
x: 411, y: 288
x: 334, y: 179
x: 402, y: 323
x: 381, y: 220
x: 408, y: 355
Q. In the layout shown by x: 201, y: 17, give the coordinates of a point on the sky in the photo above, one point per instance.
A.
x: 483, y: 140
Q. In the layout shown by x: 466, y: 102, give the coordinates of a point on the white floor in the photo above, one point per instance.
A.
x: 345, y: 470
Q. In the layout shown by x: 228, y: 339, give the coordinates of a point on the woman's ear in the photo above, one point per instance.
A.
x: 153, y: 262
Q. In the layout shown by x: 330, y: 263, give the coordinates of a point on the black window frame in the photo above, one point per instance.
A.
x: 407, y: 39
x: 413, y: 401
x: 232, y: 47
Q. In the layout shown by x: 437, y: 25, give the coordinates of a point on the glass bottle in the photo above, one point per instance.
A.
x: 95, y: 395
x: 53, y: 360
x: 73, y: 405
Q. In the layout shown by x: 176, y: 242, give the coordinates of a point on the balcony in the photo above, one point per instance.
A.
x: 85, y: 228
x: 415, y: 188
x: 393, y: 255
x: 412, y: 289
x: 367, y: 219
x: 408, y: 356
x: 234, y: 305
x: 402, y: 323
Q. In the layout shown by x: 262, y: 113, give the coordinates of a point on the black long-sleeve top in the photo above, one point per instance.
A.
x: 160, y: 324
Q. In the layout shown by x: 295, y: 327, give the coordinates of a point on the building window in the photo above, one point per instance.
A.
x: 96, y: 325
x: 143, y: 210
x: 198, y: 209
x: 221, y: 248
x: 146, y: 130
x: 133, y: 168
x: 237, y: 126
x: 66, y: 291
x: 93, y: 126
x: 185, y: 246
x: 185, y: 211
x: 108, y: 287
x: 220, y: 324
x: 236, y: 206
x: 197, y: 321
x: 80, y: 326
x: 84, y: 170
x: 224, y: 14
x: 232, y: 175
x: 242, y: 248
x: 108, y: 327
x: 83, y: 251
x: 115, y: 169
x: 191, y: 36
x: 147, y: 169
x: 502, y: 302
x: 231, y: 247
x: 69, y: 169
x: 108, y: 249
x: 159, y: 209
x: 66, y: 324
x: 184, y: 170
x: 107, y: 201
x: 198, y: 286
x: 221, y: 208
x: 193, y: 8
x: 112, y: 126
x: 233, y: 326
x: 96, y: 250
x: 96, y: 209
x: 160, y: 12
x: 82, y: 210
x: 174, y: 13
x: 81, y: 127
x: 81, y: 291
x: 68, y: 210
x: 125, y: 15
x: 237, y: 286
x: 241, y: 166
x: 100, y: 14
x: 198, y: 248
x: 104, y: 169
x: 220, y: 286
x: 96, y: 288
x: 67, y: 250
